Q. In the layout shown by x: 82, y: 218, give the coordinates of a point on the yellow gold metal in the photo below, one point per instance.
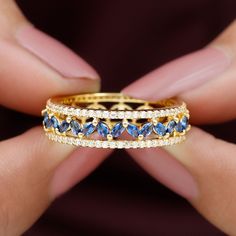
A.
x: 109, y: 137
x: 140, y: 137
x: 112, y: 108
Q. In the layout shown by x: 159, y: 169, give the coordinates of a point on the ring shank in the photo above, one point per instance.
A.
x: 82, y: 99
x: 120, y: 121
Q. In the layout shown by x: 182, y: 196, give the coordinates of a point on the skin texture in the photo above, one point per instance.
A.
x: 31, y: 172
x: 210, y: 161
x: 29, y: 181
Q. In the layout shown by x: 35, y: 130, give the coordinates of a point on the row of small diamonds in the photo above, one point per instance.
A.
x: 115, y: 144
x: 70, y: 111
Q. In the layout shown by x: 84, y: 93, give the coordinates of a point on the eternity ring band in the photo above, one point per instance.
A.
x: 114, y: 120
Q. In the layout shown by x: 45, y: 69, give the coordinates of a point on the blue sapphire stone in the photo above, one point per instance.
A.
x: 182, y: 124
x: 54, y: 121
x: 47, y: 121
x: 171, y: 126
x: 75, y: 127
x: 117, y: 130
x: 103, y: 129
x: 146, y: 129
x: 160, y: 129
x: 88, y: 128
x: 133, y: 130
x: 179, y: 127
x: 45, y: 115
x: 63, y: 127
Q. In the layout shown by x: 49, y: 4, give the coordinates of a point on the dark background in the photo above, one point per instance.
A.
x: 123, y: 40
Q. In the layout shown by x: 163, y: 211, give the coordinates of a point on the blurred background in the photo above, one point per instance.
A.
x: 123, y: 40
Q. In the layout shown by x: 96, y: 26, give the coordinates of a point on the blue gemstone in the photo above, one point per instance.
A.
x: 160, y: 129
x: 171, y: 126
x: 75, y: 127
x: 54, y: 122
x: 179, y: 127
x: 88, y: 128
x: 47, y: 121
x: 146, y: 129
x: 63, y: 127
x: 133, y: 130
x: 182, y: 124
x: 45, y: 114
x: 103, y: 129
x: 117, y: 130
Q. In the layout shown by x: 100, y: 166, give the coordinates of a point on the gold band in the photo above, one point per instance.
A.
x: 114, y: 120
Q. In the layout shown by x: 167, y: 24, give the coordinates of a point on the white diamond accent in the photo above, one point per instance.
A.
x: 131, y: 114
x: 105, y: 114
x: 121, y: 114
x: 115, y: 144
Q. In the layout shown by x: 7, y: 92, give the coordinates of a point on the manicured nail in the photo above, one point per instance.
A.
x: 167, y: 170
x: 180, y: 75
x: 75, y: 168
x: 54, y: 53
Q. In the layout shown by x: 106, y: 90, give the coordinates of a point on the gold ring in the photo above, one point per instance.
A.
x: 114, y: 120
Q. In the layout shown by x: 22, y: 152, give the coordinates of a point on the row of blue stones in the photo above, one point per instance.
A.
x: 103, y: 129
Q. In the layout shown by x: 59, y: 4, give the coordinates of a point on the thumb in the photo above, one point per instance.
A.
x: 212, y: 164
x: 32, y: 177
x: 204, y: 168
x: 36, y: 65
x: 33, y: 170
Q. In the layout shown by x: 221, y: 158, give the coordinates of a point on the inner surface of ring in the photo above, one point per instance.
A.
x: 113, y: 101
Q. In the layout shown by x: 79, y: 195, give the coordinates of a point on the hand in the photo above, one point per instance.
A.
x: 34, y: 67
x: 203, y: 168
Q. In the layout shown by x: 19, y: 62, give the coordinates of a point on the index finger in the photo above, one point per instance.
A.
x: 34, y: 66
x: 205, y: 80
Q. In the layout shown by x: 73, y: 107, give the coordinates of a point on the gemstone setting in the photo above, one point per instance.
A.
x: 146, y: 129
x: 182, y: 124
x: 171, y: 126
x: 63, y: 127
x: 75, y: 127
x: 115, y: 144
x: 160, y: 129
x: 55, y: 123
x: 88, y: 128
x: 117, y: 130
x: 47, y: 121
x: 103, y: 129
x: 133, y: 130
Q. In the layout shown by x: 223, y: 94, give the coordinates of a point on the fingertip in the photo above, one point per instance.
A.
x: 35, y: 66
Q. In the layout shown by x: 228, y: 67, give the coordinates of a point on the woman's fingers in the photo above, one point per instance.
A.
x: 204, y: 79
x: 203, y: 168
x: 34, y: 66
x: 32, y: 175
x: 166, y: 169
x: 212, y: 163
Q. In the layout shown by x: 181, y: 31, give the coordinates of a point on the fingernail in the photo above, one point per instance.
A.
x: 180, y: 75
x: 54, y: 53
x: 167, y: 170
x: 75, y: 168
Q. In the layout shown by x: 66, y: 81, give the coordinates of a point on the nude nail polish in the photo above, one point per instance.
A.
x: 54, y: 53
x: 180, y: 75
